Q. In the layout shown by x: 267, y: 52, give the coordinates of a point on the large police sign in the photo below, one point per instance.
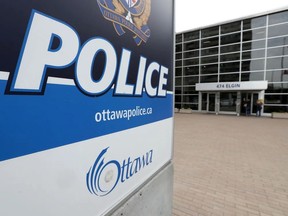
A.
x: 85, y: 102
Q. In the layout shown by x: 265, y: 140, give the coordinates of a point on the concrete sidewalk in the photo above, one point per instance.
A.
x: 228, y: 165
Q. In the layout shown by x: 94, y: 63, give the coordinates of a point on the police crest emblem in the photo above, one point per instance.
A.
x: 132, y: 15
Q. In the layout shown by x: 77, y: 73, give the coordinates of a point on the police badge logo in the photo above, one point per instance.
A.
x: 129, y: 14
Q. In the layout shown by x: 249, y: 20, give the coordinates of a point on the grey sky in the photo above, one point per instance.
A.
x: 190, y: 14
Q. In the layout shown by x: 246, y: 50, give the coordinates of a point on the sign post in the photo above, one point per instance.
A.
x: 86, y: 103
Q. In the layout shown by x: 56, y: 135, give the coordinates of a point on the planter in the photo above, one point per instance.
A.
x: 280, y: 115
x: 185, y: 110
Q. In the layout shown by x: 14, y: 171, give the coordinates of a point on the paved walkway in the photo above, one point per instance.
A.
x: 228, y: 165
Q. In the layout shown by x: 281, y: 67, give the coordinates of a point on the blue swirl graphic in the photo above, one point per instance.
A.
x: 99, y: 179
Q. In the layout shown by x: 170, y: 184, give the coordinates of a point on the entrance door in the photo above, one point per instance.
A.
x: 248, y: 102
x: 211, y: 102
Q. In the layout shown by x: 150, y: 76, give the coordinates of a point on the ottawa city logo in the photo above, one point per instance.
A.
x: 132, y: 15
x: 104, y: 175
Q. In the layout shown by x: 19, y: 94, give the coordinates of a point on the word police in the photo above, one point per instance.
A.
x: 37, y: 48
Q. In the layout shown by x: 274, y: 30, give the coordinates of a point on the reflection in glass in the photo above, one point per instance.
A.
x: 229, y: 77
x: 210, y: 32
x: 179, y: 38
x: 192, y: 70
x: 179, y: 48
x: 179, y: 56
x: 178, y: 71
x: 210, y: 42
x: 254, y: 34
x: 191, y: 45
x: 277, y: 88
x: 252, y: 54
x: 230, y: 57
x: 270, y: 109
x: 190, y: 99
x: 228, y: 101
x: 189, y: 90
x: 190, y: 80
x: 191, y: 36
x: 190, y: 54
x: 279, y: 41
x: 209, y: 79
x: 278, y: 30
x: 209, y: 69
x: 254, y: 23
x: 204, y: 101
x: 277, y: 76
x: 178, y: 90
x: 255, y: 76
x: 211, y: 51
x: 253, y: 65
x: 178, y: 81
x: 276, y: 99
x: 231, y: 38
x: 231, y: 27
x: 179, y: 63
x: 230, y: 67
x: 193, y: 61
x: 210, y: 59
x: 253, y: 45
x: 278, y: 18
x: 230, y: 48
x: 277, y: 63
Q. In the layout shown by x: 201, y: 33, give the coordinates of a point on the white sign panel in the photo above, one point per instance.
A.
x: 232, y: 86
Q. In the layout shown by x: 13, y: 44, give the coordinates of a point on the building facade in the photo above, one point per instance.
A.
x: 227, y: 67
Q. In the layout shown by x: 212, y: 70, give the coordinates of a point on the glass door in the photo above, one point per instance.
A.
x: 211, y: 102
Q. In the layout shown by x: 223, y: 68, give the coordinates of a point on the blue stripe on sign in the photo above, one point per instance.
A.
x: 63, y: 115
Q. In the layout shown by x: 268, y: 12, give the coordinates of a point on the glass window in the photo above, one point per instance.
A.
x: 270, y: 109
x: 189, y: 90
x: 179, y: 56
x: 190, y: 106
x: 178, y: 38
x: 210, y: 32
x: 276, y: 99
x: 210, y: 59
x: 255, y: 76
x: 179, y: 48
x: 253, y: 45
x: 228, y: 101
x: 191, y: 45
x: 209, y: 69
x: 194, y: 61
x: 178, y: 98
x: 277, y: 76
x: 178, y: 90
x: 191, y: 35
x: 254, y: 23
x: 178, y: 71
x: 231, y: 38
x: 178, y: 105
x: 230, y: 57
x: 253, y: 65
x: 209, y: 42
x: 179, y: 63
x: 191, y: 70
x: 278, y: 51
x: 190, y: 80
x: 190, y: 99
x: 209, y: 79
x: 277, y: 63
x: 231, y: 27
x: 278, y: 18
x: 280, y: 41
x: 191, y: 54
x: 230, y: 48
x: 230, y: 67
x: 277, y: 88
x: 211, y: 51
x: 278, y: 30
x: 178, y: 81
x: 253, y: 54
x: 254, y: 34
x: 229, y: 77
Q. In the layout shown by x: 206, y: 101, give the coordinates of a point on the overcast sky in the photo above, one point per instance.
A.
x: 190, y: 14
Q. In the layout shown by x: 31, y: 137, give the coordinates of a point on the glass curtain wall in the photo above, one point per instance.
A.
x: 254, y: 49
